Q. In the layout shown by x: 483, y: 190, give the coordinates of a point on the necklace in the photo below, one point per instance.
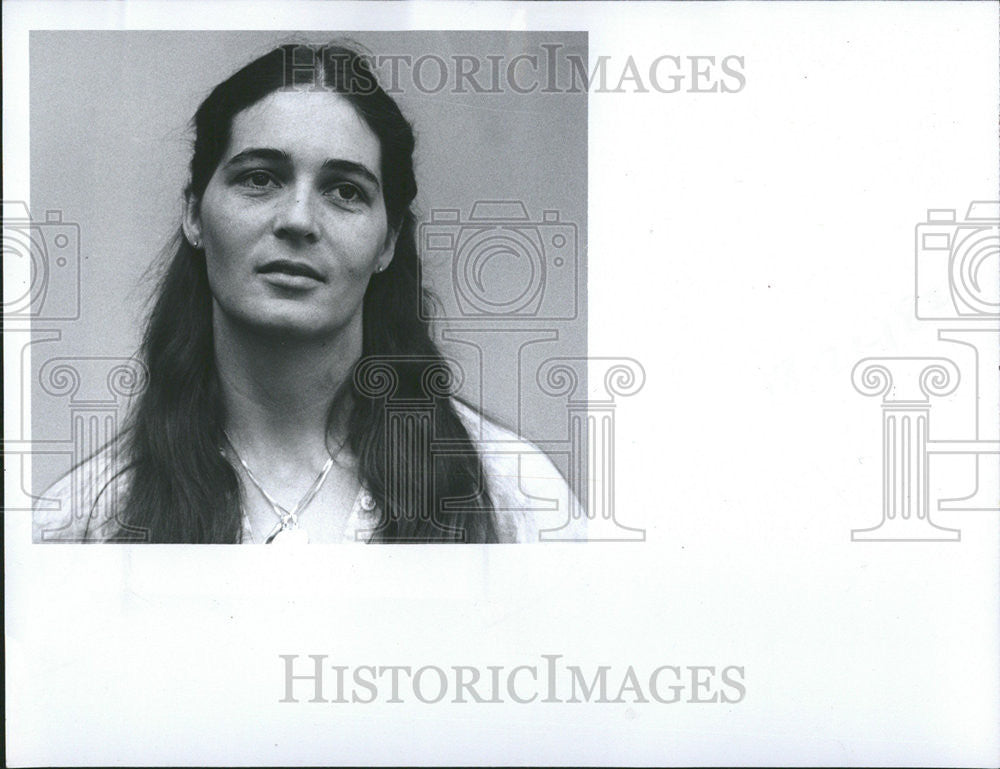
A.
x: 287, y: 530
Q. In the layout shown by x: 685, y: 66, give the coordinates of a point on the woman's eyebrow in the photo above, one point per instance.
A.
x: 350, y: 167
x: 259, y: 153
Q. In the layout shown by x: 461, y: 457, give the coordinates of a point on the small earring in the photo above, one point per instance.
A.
x: 196, y: 243
x: 379, y: 268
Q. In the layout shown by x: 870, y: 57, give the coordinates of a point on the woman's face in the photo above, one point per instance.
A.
x: 293, y: 220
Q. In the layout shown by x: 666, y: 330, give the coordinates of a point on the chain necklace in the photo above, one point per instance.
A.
x: 287, y: 529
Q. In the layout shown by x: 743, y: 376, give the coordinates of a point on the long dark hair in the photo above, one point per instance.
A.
x: 180, y: 488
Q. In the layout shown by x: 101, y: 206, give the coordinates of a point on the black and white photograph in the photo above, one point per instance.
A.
x: 698, y: 301
x: 290, y: 380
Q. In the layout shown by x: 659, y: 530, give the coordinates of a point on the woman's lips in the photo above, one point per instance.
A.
x: 280, y: 268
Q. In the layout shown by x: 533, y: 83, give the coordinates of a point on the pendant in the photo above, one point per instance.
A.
x: 290, y: 537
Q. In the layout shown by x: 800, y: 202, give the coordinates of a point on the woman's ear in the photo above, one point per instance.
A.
x: 192, y: 219
x: 388, y: 250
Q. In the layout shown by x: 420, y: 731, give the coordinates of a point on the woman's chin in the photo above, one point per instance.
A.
x: 287, y: 326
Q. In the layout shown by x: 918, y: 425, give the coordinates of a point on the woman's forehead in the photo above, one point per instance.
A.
x: 310, y: 126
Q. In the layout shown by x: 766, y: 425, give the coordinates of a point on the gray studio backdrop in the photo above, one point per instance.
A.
x: 109, y: 116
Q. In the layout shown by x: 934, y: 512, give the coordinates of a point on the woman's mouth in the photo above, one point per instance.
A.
x: 289, y: 268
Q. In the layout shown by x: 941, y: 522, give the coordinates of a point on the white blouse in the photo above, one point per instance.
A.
x: 532, y: 502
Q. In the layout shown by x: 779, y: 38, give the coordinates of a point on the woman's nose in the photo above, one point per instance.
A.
x: 296, y: 217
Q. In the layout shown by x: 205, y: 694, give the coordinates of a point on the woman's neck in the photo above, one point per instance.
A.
x: 277, y: 392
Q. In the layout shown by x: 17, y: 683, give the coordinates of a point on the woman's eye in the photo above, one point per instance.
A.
x: 258, y: 179
x: 347, y: 193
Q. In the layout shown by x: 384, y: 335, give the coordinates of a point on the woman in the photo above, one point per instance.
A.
x: 294, y: 392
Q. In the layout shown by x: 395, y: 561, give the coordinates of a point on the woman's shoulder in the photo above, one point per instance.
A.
x: 83, y: 504
x: 531, y: 498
